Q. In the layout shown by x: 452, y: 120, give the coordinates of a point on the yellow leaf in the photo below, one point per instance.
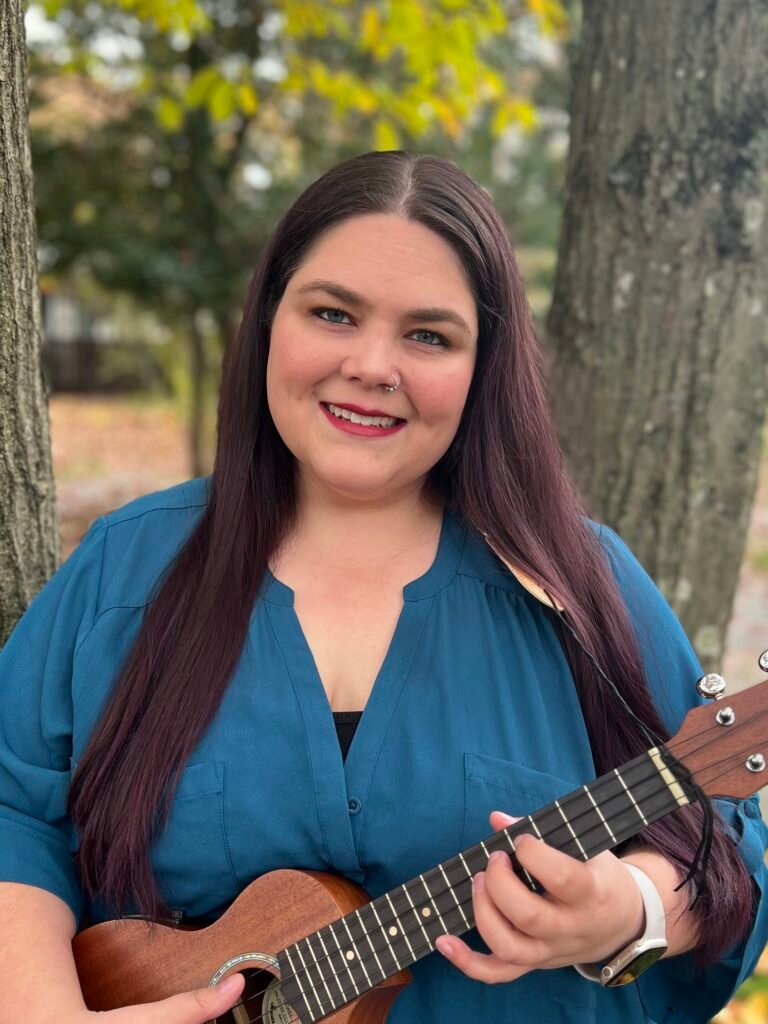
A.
x: 247, y: 98
x: 169, y: 113
x: 221, y: 101
x: 369, y: 27
x: 200, y: 86
x: 384, y: 134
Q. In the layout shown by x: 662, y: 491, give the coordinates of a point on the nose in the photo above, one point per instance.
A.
x: 372, y: 362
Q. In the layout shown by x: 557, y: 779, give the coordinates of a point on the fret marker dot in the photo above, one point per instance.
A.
x: 426, y: 911
x: 393, y: 930
x: 350, y: 955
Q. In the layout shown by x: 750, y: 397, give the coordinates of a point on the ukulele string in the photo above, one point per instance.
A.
x: 429, y: 945
x: 418, y: 950
x: 697, y: 869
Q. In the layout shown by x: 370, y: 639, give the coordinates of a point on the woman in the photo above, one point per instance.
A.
x: 384, y: 449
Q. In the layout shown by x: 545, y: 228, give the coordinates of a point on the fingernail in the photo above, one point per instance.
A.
x: 509, y: 820
x: 478, y: 882
x: 496, y: 855
x: 444, y: 946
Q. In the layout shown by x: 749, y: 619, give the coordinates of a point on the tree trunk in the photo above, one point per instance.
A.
x: 657, y: 332
x: 29, y: 546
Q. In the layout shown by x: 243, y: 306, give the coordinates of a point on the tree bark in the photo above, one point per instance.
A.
x: 29, y: 545
x: 657, y: 333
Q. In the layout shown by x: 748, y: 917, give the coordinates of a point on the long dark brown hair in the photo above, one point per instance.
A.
x: 503, y: 473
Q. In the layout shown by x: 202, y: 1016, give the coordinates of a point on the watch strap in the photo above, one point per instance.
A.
x: 638, y: 956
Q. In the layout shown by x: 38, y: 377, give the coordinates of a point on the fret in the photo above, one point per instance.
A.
x: 310, y: 982
x: 399, y: 927
x: 552, y: 828
x: 614, y: 840
x: 313, y: 961
x: 297, y: 978
x: 344, y: 964
x: 352, y: 956
x: 643, y: 818
x: 434, y: 918
x: 582, y: 851
x: 532, y: 883
x: 334, y: 974
x: 400, y: 930
x: 419, y: 920
x: 585, y: 824
x: 439, y: 917
x: 367, y: 937
x: 388, y: 944
x: 455, y: 899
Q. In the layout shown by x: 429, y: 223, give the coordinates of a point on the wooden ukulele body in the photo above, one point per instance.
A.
x: 122, y: 963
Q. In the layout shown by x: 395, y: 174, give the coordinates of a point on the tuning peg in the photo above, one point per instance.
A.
x: 762, y: 661
x: 712, y: 686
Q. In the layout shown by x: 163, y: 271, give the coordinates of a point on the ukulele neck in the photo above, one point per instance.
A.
x: 330, y: 967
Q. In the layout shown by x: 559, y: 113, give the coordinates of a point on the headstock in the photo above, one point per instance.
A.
x: 724, y: 744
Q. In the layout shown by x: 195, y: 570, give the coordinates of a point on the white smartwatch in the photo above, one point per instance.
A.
x: 638, y: 956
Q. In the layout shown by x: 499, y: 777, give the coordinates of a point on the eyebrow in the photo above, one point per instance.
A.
x: 430, y: 314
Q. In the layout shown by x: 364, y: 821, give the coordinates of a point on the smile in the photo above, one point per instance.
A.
x: 359, y: 425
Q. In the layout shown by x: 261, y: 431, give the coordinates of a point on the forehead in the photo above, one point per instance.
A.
x: 389, y: 262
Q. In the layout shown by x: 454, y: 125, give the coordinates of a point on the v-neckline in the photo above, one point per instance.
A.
x: 342, y: 784
x: 440, y: 572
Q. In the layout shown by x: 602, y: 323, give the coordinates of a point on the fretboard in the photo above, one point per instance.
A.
x: 330, y: 967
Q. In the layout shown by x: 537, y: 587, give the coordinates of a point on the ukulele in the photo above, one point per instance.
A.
x: 313, y: 946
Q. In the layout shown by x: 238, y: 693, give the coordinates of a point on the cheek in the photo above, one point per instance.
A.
x: 294, y: 363
x: 441, y: 400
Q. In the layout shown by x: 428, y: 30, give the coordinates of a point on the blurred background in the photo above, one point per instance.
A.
x: 168, y: 136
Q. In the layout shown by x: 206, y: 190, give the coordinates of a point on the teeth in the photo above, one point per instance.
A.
x: 366, y: 421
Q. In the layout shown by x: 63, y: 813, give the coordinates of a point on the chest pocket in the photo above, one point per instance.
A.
x: 494, y: 784
x: 190, y: 857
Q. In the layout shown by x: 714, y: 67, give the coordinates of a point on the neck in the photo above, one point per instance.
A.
x: 329, y: 968
x: 341, y: 534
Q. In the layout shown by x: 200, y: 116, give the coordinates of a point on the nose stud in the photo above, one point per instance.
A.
x: 393, y: 387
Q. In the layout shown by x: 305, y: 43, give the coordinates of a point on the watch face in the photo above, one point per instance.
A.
x: 636, y: 967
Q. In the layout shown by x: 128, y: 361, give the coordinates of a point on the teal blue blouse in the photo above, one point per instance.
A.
x: 474, y: 709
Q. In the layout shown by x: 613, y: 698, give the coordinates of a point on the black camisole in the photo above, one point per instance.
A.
x: 346, y: 723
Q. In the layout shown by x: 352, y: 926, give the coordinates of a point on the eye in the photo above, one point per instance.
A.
x: 324, y: 309
x: 441, y: 340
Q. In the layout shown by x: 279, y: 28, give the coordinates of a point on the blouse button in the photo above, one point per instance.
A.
x: 354, y: 805
x: 751, y: 811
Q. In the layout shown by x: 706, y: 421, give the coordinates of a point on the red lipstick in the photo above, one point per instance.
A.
x: 361, y: 411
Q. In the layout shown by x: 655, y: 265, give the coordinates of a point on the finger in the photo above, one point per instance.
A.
x: 480, y: 966
x: 498, y: 932
x: 196, y: 1007
x: 500, y: 820
x: 564, y: 878
x: 532, y: 914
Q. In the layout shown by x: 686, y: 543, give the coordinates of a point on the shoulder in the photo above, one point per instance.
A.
x: 670, y: 661
x: 167, y: 503
x: 142, y: 537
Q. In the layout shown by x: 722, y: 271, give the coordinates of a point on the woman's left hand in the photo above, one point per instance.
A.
x: 589, y: 911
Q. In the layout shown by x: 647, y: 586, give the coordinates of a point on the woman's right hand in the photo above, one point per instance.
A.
x: 196, y: 1007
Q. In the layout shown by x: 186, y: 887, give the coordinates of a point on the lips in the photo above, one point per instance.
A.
x: 361, y: 411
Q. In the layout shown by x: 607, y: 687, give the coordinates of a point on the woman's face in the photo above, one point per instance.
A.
x: 327, y: 349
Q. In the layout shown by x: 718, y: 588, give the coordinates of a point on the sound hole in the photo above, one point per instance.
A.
x: 262, y: 1002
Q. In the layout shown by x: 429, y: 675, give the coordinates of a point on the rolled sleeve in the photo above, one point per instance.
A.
x: 674, y: 991
x: 36, y: 837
